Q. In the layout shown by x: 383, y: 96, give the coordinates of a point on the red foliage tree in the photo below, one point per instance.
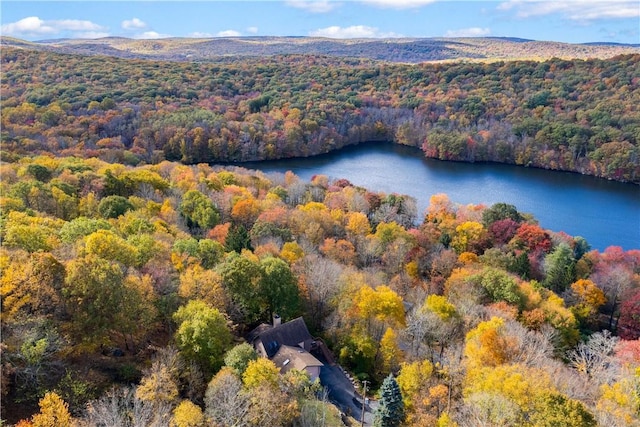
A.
x: 629, y: 322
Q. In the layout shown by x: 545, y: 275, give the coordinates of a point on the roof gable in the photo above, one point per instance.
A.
x: 289, y: 357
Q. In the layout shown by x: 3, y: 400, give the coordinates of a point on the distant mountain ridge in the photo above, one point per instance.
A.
x: 406, y: 50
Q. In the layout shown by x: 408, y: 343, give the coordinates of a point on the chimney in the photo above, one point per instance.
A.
x: 277, y: 320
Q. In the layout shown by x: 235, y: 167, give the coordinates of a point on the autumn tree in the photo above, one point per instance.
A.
x: 206, y: 285
x: 32, y: 285
x: 589, y: 298
x: 226, y: 403
x: 555, y: 409
x: 260, y: 371
x: 54, y: 412
x: 414, y: 380
x: 629, y: 322
x: 187, y: 414
x: 94, y: 290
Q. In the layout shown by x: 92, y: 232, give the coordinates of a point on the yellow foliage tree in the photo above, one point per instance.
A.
x: 520, y: 384
x: 621, y: 400
x: 187, y: 414
x: 358, y: 224
x: 389, y: 351
x: 261, y: 372
x: 54, y: 412
x: 206, y: 285
x: 108, y: 245
x: 381, y: 304
x: 159, y: 386
x: 486, y: 344
x: 439, y: 305
x: 467, y: 234
x: 291, y: 252
x: 413, y: 380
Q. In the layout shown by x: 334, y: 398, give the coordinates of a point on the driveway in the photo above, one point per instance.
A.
x: 343, y: 394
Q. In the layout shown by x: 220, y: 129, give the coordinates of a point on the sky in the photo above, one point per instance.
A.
x: 572, y: 21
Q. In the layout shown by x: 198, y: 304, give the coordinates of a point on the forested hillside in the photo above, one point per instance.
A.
x: 406, y: 50
x: 575, y: 115
x: 126, y: 291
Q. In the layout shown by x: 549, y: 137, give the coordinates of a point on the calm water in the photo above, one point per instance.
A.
x: 603, y: 212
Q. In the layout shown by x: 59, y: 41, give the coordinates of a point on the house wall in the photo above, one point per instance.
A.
x: 261, y: 350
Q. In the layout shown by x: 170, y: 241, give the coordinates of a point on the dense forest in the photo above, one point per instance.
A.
x: 127, y: 290
x: 574, y: 115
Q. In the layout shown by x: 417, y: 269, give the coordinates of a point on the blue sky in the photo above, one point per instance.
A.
x: 572, y: 21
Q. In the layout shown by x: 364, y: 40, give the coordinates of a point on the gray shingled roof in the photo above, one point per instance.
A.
x: 293, y: 333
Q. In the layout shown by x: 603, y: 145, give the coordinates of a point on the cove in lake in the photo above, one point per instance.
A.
x: 604, y: 212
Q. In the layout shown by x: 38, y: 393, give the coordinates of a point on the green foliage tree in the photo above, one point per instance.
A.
x: 114, y: 206
x: 80, y: 227
x: 554, y: 409
x: 240, y: 277
x: 238, y: 239
x: 202, y: 334
x: 499, y: 285
x: 500, y: 211
x: 278, y: 288
x: 390, y: 411
x: 559, y: 268
x: 198, y: 211
x: 238, y: 358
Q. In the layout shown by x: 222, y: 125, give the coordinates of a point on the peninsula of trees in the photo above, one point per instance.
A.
x: 573, y: 115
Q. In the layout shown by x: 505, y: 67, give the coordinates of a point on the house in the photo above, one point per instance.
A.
x: 288, y: 358
x: 289, y: 345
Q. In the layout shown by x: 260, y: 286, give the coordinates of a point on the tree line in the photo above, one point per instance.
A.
x: 574, y: 115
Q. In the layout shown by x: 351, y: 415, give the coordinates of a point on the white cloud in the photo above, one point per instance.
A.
x: 252, y: 30
x: 398, y: 4
x: 575, y: 10
x: 228, y: 33
x: 200, y: 35
x: 34, y: 26
x: 313, y: 6
x: 133, y: 24
x: 468, y: 32
x: 30, y: 25
x: 353, y: 32
x: 151, y: 35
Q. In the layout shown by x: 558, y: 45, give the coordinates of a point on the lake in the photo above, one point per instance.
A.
x: 604, y: 212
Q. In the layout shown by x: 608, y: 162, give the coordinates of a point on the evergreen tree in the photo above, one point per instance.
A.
x: 560, y: 268
x: 390, y: 412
